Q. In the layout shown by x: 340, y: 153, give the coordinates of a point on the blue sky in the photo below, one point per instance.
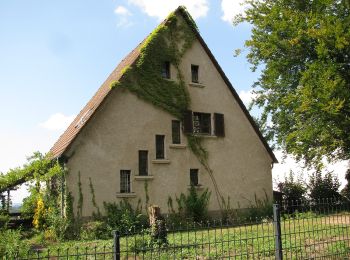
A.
x: 55, y: 54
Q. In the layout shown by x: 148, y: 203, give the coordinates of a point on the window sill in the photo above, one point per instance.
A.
x: 205, y: 135
x: 160, y: 161
x: 177, y: 146
x: 144, y: 177
x: 126, y: 195
x: 197, y: 187
x: 197, y: 85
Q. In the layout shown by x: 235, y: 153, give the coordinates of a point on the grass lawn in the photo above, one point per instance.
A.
x: 305, y: 237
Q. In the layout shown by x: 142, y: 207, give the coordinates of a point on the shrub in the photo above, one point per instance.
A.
x: 194, y: 206
x: 11, y: 242
x: 293, y: 189
x: 94, y: 230
x: 123, y: 217
x: 39, y: 215
x: 4, y: 219
x: 159, y: 232
x: 262, y: 208
x: 324, y: 187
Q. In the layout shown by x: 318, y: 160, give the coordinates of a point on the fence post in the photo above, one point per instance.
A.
x: 278, y: 237
x: 116, y: 241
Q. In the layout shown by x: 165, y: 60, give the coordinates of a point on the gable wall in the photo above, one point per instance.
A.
x: 125, y: 124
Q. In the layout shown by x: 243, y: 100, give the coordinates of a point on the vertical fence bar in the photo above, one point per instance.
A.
x: 116, y: 241
x: 278, y: 236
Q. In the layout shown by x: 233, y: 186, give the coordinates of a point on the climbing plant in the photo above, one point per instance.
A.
x: 167, y: 43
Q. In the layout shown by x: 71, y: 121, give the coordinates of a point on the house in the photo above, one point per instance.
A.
x: 168, y: 117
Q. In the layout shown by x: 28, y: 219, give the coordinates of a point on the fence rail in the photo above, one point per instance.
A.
x: 297, y: 230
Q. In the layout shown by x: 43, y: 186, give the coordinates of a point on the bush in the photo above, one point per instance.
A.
x: 292, y: 189
x: 11, y: 242
x: 324, y: 187
x: 123, y: 217
x: 194, y: 206
x: 262, y: 208
x: 4, y: 219
x: 94, y: 230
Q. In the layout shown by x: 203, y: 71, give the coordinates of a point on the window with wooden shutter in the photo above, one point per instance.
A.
x: 143, y: 163
x: 194, y: 177
x: 188, y: 123
x: 175, y: 131
x: 160, y: 147
x: 219, y: 124
x: 125, y: 181
x: 201, y: 123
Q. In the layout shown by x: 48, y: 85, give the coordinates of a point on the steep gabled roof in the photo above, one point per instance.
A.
x: 67, y: 138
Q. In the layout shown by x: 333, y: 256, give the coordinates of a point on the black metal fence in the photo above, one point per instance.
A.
x: 297, y: 230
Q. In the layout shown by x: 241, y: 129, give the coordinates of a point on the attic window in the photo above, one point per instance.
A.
x: 194, y: 72
x: 166, y: 70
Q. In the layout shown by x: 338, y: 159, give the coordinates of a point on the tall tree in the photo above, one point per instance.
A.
x: 303, y: 48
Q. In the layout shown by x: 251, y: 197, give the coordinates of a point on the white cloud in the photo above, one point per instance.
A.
x: 123, y: 16
x: 247, y: 96
x: 160, y: 8
x: 231, y: 8
x: 57, y: 121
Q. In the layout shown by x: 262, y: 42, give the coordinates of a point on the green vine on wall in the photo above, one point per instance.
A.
x: 168, y: 42
x: 93, y: 200
x: 80, y: 199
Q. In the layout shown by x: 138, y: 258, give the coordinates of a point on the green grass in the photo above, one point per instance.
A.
x: 317, y: 236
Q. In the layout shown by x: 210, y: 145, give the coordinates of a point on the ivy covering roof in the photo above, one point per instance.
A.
x: 135, y: 70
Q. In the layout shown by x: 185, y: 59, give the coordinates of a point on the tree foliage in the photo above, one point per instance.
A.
x: 303, y: 48
x: 293, y: 189
x: 324, y: 187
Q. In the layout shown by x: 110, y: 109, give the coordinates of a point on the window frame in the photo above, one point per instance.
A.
x: 176, y: 131
x: 194, y: 73
x: 160, y: 155
x: 166, y: 71
x: 143, y: 163
x: 194, y: 173
x: 125, y: 181
x: 198, y: 127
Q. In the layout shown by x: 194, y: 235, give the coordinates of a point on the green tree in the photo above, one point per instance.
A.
x: 293, y: 189
x: 324, y: 187
x: 302, y: 47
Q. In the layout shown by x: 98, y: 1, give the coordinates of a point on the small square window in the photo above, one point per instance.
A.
x: 125, y: 181
x: 166, y: 70
x: 194, y: 72
x: 201, y: 123
x: 194, y: 177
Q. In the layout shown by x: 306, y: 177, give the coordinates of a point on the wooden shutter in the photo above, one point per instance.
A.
x: 219, y: 124
x: 188, y: 123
